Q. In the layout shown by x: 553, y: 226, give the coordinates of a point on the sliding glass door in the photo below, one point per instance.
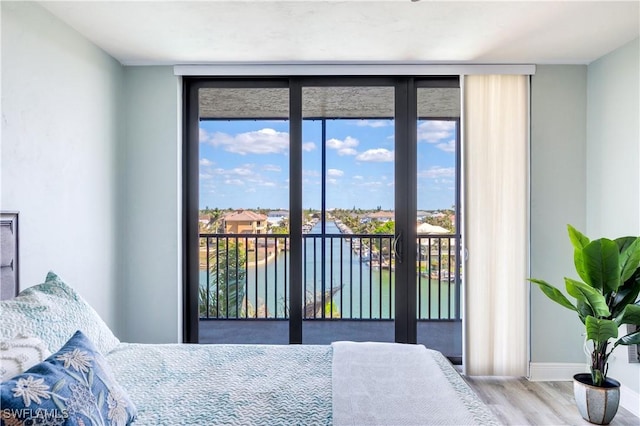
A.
x: 307, y: 202
x: 348, y: 190
x: 243, y: 148
x: 438, y: 221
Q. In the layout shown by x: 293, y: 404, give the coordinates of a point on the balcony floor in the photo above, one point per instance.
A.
x: 444, y: 336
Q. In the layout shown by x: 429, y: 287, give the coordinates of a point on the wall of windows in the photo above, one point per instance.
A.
x: 355, y: 183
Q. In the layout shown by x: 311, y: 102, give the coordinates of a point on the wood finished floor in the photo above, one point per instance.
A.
x: 517, y: 401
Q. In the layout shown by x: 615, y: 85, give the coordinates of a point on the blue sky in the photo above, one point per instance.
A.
x: 245, y: 164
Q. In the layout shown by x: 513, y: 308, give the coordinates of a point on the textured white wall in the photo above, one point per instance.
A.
x: 60, y: 103
x: 613, y: 163
x: 558, y: 197
x: 149, y: 207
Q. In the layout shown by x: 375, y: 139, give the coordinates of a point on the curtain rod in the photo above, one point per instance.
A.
x: 352, y: 69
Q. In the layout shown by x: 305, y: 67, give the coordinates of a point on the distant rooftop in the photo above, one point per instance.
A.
x: 381, y: 215
x: 244, y: 216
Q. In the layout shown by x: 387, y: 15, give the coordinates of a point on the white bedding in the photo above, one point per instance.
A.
x: 343, y: 384
x: 393, y: 384
x: 181, y: 384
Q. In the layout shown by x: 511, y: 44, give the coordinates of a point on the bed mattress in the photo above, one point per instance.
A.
x: 344, y: 383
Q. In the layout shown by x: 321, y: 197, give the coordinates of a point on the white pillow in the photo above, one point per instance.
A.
x: 19, y: 354
x: 53, y: 311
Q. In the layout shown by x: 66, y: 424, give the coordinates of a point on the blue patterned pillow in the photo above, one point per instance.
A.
x: 53, y: 311
x: 74, y: 386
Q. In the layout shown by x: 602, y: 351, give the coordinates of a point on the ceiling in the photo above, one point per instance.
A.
x: 399, y: 31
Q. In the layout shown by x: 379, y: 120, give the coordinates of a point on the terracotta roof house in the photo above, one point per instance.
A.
x: 381, y: 216
x: 245, y: 222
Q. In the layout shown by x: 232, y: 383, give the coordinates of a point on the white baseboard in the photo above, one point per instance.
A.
x: 630, y: 400
x: 554, y: 371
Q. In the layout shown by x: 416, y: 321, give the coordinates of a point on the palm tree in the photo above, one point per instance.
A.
x: 227, y: 282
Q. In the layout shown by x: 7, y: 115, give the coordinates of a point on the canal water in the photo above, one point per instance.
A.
x: 360, y: 290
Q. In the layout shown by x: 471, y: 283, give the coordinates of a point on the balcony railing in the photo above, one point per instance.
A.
x: 345, y: 276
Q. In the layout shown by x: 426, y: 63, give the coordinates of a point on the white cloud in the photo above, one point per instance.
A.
x: 373, y: 123
x: 237, y: 171
x: 264, y: 141
x: 434, y: 131
x: 205, y: 176
x: 335, y: 173
x: 241, y: 171
x: 233, y: 182
x: 347, y: 151
x: 344, y: 147
x: 205, y: 162
x: 203, y: 135
x: 313, y: 173
x: 271, y: 168
x: 245, y: 170
x: 379, y: 155
x: 358, y: 177
x: 445, y: 181
x: 308, y: 146
x: 438, y: 172
x: 269, y: 184
x: 332, y: 181
x: 447, y: 146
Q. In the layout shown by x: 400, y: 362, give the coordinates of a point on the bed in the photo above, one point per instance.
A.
x: 345, y: 383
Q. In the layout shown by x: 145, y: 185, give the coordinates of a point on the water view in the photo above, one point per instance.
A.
x: 358, y: 279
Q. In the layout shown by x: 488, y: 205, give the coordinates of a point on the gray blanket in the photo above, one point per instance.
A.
x: 392, y: 384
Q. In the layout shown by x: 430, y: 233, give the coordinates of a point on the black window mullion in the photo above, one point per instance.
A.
x: 458, y: 236
x: 405, y: 211
x: 323, y: 218
x: 295, y: 210
x: 191, y: 238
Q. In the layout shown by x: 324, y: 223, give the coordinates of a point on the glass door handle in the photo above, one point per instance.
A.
x: 397, y: 248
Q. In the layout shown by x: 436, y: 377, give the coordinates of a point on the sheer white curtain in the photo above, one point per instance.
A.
x: 496, y: 224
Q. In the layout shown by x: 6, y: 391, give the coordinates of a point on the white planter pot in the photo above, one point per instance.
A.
x: 596, y: 404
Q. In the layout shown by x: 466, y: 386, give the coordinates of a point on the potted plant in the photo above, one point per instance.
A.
x: 606, y: 298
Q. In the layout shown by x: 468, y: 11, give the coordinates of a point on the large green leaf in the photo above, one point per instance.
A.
x: 572, y: 289
x: 602, y: 265
x: 629, y: 339
x: 553, y: 293
x: 624, y: 242
x: 627, y: 293
x: 629, y: 257
x: 584, y: 310
x: 591, y: 296
x: 578, y: 262
x: 578, y: 240
x: 601, y: 330
x: 630, y: 315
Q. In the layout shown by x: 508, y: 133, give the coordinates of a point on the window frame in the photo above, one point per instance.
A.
x: 405, y: 201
